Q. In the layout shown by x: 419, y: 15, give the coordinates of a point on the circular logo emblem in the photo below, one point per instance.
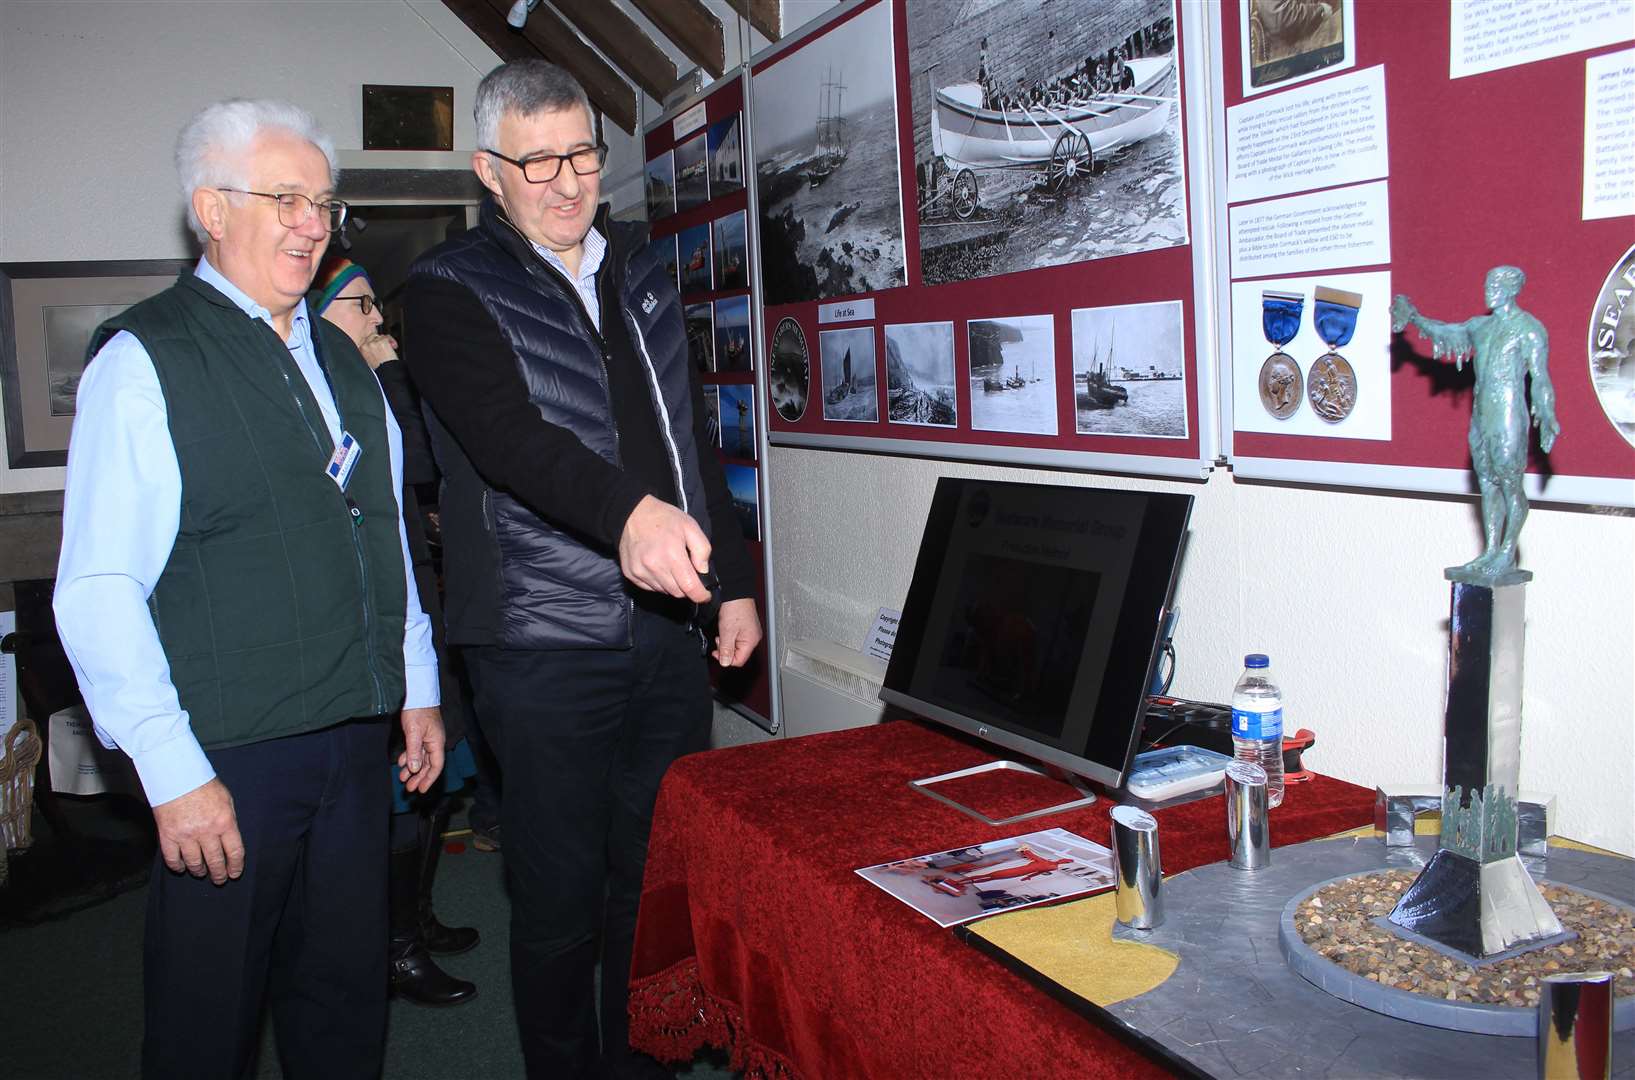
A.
x: 789, y: 375
x: 1612, y: 346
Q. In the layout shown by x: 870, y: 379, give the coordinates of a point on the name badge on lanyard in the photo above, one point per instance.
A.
x: 344, y: 460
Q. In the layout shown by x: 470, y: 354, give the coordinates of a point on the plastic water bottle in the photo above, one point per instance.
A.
x: 1257, y: 723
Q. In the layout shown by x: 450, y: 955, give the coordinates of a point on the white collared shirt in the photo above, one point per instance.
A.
x: 584, y: 282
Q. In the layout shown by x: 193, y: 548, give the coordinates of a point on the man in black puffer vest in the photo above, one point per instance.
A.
x: 582, y: 514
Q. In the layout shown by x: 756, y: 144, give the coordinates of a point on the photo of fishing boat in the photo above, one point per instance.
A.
x: 1129, y: 370
x: 1013, y: 374
x: 849, y: 382
x: 1041, y: 138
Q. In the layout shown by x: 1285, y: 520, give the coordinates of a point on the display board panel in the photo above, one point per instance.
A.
x: 1455, y: 143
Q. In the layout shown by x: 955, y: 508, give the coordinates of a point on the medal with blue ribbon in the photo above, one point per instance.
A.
x: 1280, y: 379
x: 1331, y: 386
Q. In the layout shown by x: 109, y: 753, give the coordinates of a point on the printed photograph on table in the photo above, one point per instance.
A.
x: 737, y: 419
x: 730, y: 257
x: 672, y: 260
x: 847, y: 358
x: 920, y: 374
x: 1042, y: 136
x: 700, y: 335
x: 732, y: 351
x: 789, y: 372
x: 826, y: 164
x: 712, y: 413
x: 697, y: 271
x: 1286, y: 41
x: 1129, y: 370
x: 726, y: 147
x: 692, y: 173
x: 1612, y: 347
x: 661, y: 186
x: 1013, y: 374
x: 746, y: 499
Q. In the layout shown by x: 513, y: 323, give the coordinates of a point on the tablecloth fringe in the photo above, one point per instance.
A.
x: 678, y: 1018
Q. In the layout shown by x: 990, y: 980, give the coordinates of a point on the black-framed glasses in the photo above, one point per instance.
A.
x: 543, y: 168
x: 366, y: 303
x: 295, y: 209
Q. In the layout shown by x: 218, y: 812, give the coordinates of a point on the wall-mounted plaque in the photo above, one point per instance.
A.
x: 408, y: 117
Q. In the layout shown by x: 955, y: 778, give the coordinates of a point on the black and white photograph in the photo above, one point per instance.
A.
x: 746, y: 499
x: 1129, y: 370
x: 1013, y: 374
x: 849, y: 381
x: 692, y: 173
x: 789, y: 372
x: 712, y: 414
x: 697, y: 270
x: 732, y: 352
x: 700, y: 336
x: 730, y: 257
x: 920, y: 374
x: 826, y: 164
x: 1288, y: 41
x: 68, y: 330
x: 669, y: 248
x: 726, y: 146
x: 737, y: 413
x: 1044, y: 133
x: 661, y: 186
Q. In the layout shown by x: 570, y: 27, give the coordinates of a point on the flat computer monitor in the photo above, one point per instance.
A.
x: 1035, y: 618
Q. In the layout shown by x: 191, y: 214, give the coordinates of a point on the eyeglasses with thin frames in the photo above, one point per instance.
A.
x: 543, y: 168
x: 295, y: 209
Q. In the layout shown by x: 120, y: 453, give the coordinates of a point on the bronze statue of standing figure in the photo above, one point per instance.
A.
x: 1506, y: 347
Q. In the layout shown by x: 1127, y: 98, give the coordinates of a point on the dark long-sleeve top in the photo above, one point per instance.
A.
x: 478, y: 393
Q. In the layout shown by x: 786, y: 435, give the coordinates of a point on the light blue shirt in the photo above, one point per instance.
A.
x: 121, y: 512
x: 584, y: 282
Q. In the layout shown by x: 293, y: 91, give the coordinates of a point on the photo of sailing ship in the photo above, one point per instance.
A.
x: 737, y: 417
x: 746, y: 499
x: 692, y: 173
x: 920, y: 374
x: 661, y: 186
x: 726, y: 146
x: 1044, y: 133
x: 847, y: 358
x: 1129, y: 370
x: 730, y: 252
x: 732, y: 351
x: 700, y: 336
x: 826, y: 167
x: 1013, y: 374
x: 697, y: 270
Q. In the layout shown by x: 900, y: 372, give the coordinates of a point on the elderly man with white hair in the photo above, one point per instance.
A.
x: 234, y: 594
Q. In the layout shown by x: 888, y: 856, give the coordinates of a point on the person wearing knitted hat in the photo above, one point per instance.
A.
x: 345, y: 296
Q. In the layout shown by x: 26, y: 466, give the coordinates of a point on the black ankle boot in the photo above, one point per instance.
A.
x: 439, y: 939
x: 414, y: 975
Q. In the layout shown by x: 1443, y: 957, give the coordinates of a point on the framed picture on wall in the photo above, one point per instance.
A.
x: 48, y: 311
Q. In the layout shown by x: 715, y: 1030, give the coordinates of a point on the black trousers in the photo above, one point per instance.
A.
x: 584, y: 737
x: 303, y: 930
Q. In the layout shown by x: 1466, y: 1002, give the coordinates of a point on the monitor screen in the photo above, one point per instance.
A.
x: 1034, y: 617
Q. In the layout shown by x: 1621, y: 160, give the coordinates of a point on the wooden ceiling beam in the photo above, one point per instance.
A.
x: 557, y: 42
x: 693, y: 28
x: 623, y: 42
x: 481, y: 19
x: 766, y: 16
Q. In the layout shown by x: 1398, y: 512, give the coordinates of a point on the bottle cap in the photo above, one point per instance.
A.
x: 1256, y: 660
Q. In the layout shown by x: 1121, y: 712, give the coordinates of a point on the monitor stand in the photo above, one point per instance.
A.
x: 924, y: 788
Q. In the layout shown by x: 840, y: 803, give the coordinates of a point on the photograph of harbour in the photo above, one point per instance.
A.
x: 712, y: 414
x: 700, y: 336
x: 1129, y: 370
x: 661, y: 186
x: 826, y: 164
x: 920, y: 374
x: 847, y: 358
x: 726, y: 146
x: 1013, y: 374
x: 730, y: 257
x: 1044, y: 133
x: 692, y: 173
x: 732, y: 351
x: 696, y: 268
x: 789, y: 372
x: 737, y: 419
x: 746, y: 499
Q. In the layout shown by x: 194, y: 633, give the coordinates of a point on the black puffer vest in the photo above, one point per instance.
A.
x: 512, y: 578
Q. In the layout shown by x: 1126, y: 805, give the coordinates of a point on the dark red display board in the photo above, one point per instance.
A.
x: 1485, y: 170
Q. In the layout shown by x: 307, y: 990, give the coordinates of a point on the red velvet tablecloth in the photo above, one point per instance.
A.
x: 756, y: 936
